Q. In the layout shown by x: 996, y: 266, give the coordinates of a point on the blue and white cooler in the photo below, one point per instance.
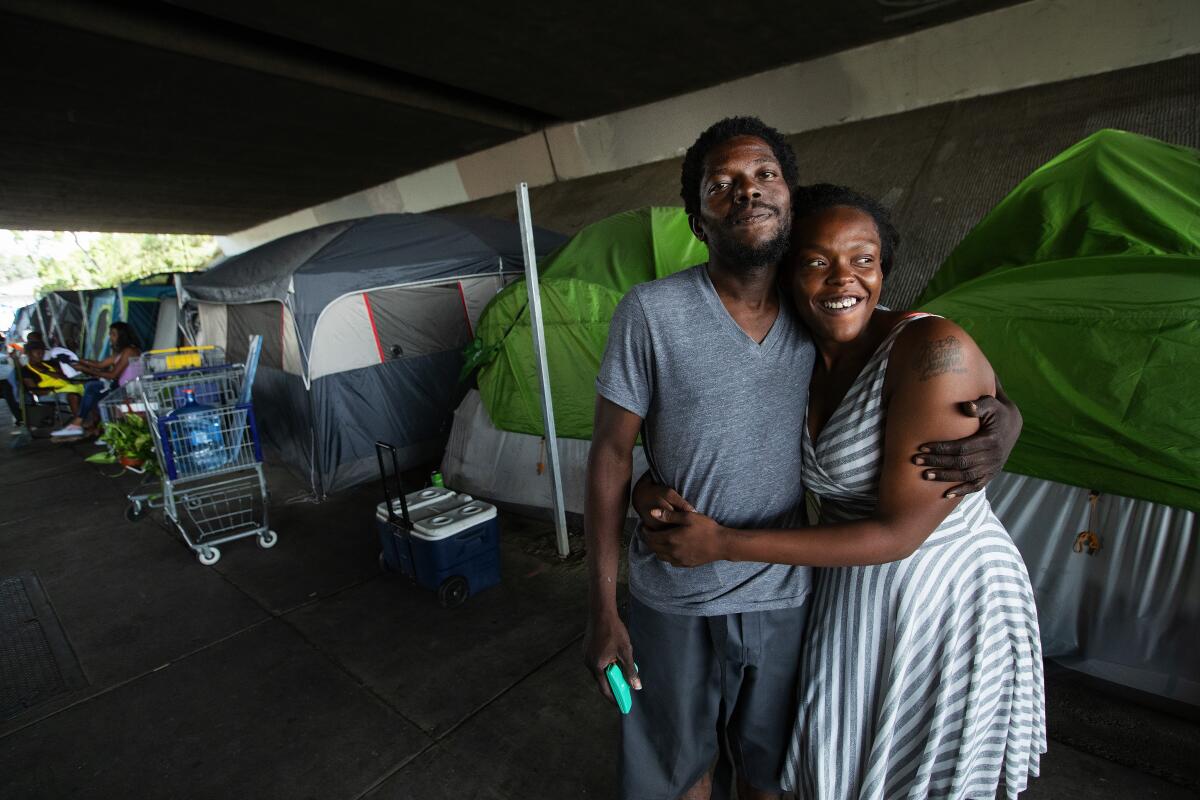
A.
x: 389, y: 554
x: 447, y: 542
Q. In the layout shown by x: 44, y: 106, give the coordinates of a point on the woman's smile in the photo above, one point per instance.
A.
x: 839, y: 304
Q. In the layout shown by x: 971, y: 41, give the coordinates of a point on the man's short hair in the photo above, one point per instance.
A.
x: 721, y: 132
x: 37, y: 344
x: 809, y: 200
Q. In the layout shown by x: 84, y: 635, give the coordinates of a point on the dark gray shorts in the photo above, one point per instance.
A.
x: 699, y: 674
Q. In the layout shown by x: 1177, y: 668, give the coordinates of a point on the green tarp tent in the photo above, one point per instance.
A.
x: 1083, y: 289
x: 581, y: 284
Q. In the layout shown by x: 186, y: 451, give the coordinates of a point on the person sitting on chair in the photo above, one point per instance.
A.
x: 121, y: 367
x: 13, y: 389
x: 42, y: 378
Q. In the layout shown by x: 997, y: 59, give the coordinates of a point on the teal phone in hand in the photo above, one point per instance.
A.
x: 620, y: 687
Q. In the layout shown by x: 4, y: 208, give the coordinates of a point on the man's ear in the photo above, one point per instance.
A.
x: 697, y: 231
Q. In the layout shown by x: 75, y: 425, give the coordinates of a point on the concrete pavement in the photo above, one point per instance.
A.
x: 302, y: 672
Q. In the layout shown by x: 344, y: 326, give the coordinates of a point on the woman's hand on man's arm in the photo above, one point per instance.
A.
x: 649, y: 499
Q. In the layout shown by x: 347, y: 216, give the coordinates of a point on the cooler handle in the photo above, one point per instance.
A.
x: 387, y: 497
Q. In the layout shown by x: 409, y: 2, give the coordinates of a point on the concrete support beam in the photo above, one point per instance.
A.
x: 1039, y: 42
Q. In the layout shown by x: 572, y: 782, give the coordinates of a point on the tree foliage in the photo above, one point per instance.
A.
x: 66, y: 260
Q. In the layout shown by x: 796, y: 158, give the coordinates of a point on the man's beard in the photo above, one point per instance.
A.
x: 742, y: 256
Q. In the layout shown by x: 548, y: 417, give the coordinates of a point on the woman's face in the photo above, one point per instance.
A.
x: 834, y: 271
x: 112, y: 336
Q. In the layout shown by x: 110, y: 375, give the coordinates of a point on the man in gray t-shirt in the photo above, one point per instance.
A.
x: 715, y: 370
x: 723, y: 421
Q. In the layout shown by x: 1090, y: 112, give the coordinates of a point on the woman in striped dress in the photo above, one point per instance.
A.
x: 923, y: 673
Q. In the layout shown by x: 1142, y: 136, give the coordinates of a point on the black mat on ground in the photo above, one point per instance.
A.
x: 36, y: 662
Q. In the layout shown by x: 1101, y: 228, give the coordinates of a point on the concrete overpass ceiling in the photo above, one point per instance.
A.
x: 575, y: 60
x: 213, y: 116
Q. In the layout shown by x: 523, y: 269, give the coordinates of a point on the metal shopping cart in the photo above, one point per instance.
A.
x: 212, y: 485
x: 128, y: 400
x: 158, y: 364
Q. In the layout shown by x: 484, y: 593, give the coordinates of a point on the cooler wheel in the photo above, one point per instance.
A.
x: 209, y: 556
x: 134, y: 512
x: 453, y: 591
x: 267, y: 540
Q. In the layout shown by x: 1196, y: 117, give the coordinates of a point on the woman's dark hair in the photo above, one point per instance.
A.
x: 809, y: 200
x: 721, y: 132
x: 125, y: 336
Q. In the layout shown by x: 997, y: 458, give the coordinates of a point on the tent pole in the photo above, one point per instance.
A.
x: 120, y: 304
x: 179, y: 317
x: 83, y: 323
x: 539, y: 351
x: 42, y: 321
x: 54, y: 326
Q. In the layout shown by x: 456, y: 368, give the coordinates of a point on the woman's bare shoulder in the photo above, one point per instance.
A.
x: 934, y: 347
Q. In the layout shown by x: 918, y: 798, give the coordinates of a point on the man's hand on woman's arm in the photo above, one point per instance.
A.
x: 971, y: 463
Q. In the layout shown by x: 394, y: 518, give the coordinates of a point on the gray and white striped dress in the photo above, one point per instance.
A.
x: 923, y: 677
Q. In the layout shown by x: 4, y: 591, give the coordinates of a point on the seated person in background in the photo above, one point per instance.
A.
x: 8, y: 388
x: 122, y: 367
x: 10, y: 397
x: 43, y: 378
x: 18, y: 360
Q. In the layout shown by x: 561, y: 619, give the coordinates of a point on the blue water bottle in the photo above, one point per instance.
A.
x: 199, y: 446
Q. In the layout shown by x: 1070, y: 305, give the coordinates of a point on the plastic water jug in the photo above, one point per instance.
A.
x: 200, y: 447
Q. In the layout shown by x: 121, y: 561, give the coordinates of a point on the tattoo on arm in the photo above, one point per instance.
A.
x: 939, y: 357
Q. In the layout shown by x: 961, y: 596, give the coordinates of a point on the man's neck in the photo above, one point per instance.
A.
x: 749, y: 295
x: 750, y: 288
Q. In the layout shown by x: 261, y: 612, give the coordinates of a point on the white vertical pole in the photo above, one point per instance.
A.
x: 120, y: 304
x: 58, y: 334
x: 83, y: 325
x: 179, y: 317
x: 42, y: 322
x: 539, y: 353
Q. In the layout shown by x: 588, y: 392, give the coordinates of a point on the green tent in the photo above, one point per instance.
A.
x: 1083, y: 289
x: 581, y: 284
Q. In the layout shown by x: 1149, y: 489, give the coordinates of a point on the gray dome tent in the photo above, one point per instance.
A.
x: 363, y: 324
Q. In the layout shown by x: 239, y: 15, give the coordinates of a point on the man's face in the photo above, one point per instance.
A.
x: 36, y: 354
x: 745, y: 204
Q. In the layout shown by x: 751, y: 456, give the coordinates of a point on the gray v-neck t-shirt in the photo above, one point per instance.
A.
x: 724, y: 419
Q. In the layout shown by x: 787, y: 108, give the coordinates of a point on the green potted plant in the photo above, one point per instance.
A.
x: 129, y: 443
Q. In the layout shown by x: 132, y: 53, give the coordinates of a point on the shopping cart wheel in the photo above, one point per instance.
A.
x: 267, y: 540
x: 135, y: 511
x: 209, y: 556
x: 453, y: 591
